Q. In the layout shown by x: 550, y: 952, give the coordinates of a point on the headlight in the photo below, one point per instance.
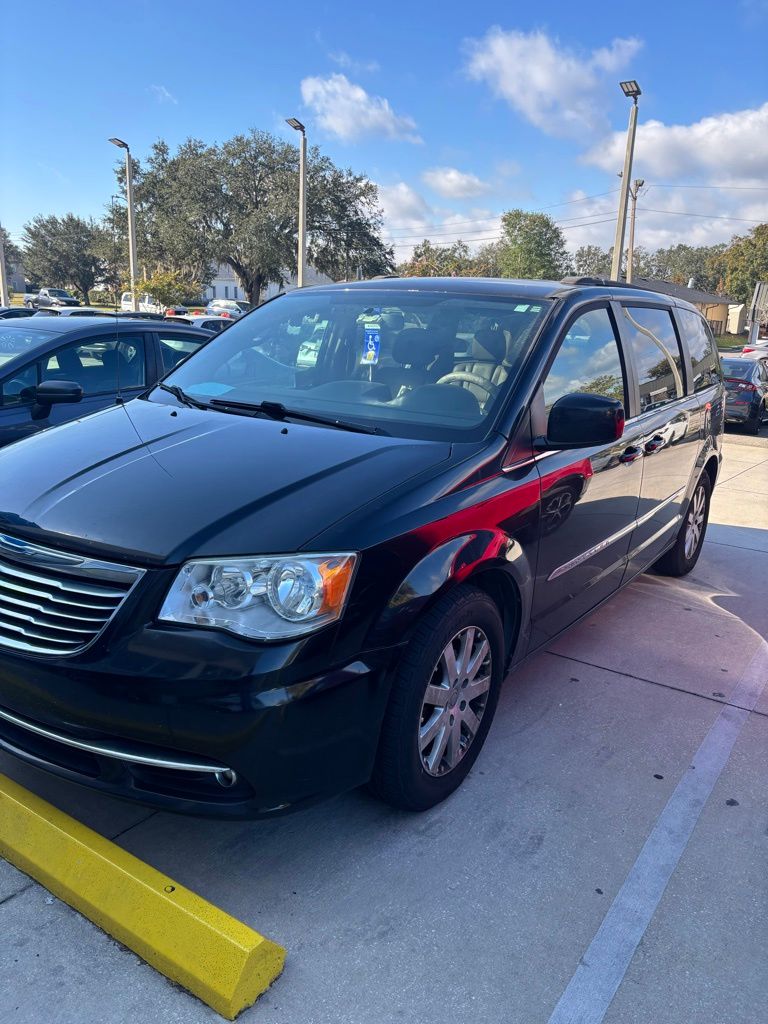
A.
x: 268, y: 598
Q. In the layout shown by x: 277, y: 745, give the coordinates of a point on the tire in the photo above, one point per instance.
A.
x: 753, y: 426
x: 682, y: 557
x: 411, y: 772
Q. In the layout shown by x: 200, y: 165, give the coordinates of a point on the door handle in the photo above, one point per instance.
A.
x: 631, y: 454
x: 656, y: 442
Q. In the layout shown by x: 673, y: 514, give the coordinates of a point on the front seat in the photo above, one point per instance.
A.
x: 414, y: 351
x: 487, y: 359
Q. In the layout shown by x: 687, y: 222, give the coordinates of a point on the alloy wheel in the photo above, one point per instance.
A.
x: 695, y: 522
x: 455, y: 700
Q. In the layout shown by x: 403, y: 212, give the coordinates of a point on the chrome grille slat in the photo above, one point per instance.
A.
x: 5, y: 585
x: 72, y: 586
x: 55, y: 603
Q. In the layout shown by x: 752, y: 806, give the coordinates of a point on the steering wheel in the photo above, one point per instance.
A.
x: 465, y: 377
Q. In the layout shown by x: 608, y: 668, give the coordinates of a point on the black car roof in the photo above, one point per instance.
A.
x: 487, y: 286
x: 61, y: 325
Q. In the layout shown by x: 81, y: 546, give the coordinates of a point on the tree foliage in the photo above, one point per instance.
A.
x: 11, y: 252
x: 745, y: 262
x: 532, y: 246
x: 237, y: 203
x: 63, y: 252
x: 170, y: 287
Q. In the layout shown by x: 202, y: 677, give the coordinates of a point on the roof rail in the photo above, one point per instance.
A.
x: 605, y: 281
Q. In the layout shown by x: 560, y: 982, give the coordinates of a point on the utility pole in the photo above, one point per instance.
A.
x: 632, y: 90
x: 302, y: 253
x: 634, y: 192
x: 5, y: 299
x: 131, y: 219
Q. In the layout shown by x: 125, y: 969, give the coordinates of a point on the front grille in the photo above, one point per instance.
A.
x: 57, y: 603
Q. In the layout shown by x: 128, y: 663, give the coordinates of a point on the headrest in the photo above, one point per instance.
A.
x: 445, y: 399
x: 393, y: 319
x: 490, y: 344
x: 415, y: 347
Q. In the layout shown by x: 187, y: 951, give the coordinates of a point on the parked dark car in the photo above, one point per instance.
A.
x: 99, y: 357
x: 15, y: 312
x: 50, y: 297
x: 262, y: 583
x: 746, y: 386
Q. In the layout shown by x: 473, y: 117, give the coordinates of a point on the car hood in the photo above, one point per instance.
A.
x: 156, y: 484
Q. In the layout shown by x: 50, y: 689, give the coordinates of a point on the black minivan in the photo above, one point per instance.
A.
x: 308, y: 558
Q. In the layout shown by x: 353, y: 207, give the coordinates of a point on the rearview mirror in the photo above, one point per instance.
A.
x: 582, y: 420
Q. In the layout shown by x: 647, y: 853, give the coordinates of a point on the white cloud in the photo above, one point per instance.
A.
x: 452, y: 183
x: 729, y: 147
x: 344, y: 60
x: 551, y: 86
x: 349, y: 112
x: 163, y: 95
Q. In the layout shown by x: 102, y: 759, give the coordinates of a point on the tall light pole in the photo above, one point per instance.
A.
x: 5, y: 299
x: 634, y: 192
x: 631, y: 90
x: 302, y: 254
x: 131, y: 219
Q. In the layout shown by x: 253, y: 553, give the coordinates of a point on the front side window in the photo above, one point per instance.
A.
x: 400, y: 360
x: 19, y: 388
x: 588, y: 361
x: 99, y: 365
x: 657, y: 356
x: 701, y: 345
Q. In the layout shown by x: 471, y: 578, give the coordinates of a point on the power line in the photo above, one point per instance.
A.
x: 737, y: 188
x: 706, y: 216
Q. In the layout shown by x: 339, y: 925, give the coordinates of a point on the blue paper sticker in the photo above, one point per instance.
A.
x: 371, y: 346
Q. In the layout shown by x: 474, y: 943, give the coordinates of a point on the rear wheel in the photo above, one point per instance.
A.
x: 443, y: 699
x: 682, y: 557
x: 753, y: 426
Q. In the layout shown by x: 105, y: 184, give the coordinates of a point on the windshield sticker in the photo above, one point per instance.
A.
x: 521, y: 309
x: 535, y: 309
x: 371, y: 346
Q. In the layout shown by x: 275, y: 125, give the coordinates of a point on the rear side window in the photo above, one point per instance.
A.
x: 701, y: 345
x: 588, y: 361
x: 175, y: 347
x: 656, y: 353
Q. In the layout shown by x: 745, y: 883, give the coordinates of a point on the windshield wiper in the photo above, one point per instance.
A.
x: 182, y: 396
x: 277, y: 411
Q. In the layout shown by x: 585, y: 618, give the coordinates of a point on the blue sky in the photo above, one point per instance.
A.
x: 457, y: 111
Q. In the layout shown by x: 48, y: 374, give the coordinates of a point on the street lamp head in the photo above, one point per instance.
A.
x: 640, y: 182
x: 295, y: 123
x: 630, y: 89
x: 119, y: 143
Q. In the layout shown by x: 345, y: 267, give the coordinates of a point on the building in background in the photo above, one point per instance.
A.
x: 226, y: 285
x: 714, y: 308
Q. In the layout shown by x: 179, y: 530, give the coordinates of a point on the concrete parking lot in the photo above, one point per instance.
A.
x: 584, y: 872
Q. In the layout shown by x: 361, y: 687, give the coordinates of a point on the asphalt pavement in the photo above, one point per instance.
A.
x: 604, y: 861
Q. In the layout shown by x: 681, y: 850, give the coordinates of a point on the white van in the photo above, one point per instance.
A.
x: 146, y: 304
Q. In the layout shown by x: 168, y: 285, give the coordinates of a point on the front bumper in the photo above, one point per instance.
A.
x: 200, y: 722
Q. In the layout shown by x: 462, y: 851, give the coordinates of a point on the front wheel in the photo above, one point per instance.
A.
x: 684, y: 554
x: 443, y: 700
x: 753, y: 426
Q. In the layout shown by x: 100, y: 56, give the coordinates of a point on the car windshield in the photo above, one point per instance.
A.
x: 740, y: 368
x: 59, y: 293
x: 427, y: 364
x: 18, y: 341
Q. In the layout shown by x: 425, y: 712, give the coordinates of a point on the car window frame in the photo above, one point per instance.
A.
x: 94, y: 338
x: 631, y: 394
x: 629, y: 301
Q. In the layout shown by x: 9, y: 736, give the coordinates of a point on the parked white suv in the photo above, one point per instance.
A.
x: 146, y: 304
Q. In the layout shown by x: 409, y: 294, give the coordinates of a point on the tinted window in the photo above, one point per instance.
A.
x: 738, y: 368
x: 656, y: 353
x: 175, y: 347
x: 17, y: 390
x: 100, y: 365
x: 588, y: 360
x: 389, y: 357
x: 701, y: 345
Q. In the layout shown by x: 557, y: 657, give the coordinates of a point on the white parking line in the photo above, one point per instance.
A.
x: 602, y: 968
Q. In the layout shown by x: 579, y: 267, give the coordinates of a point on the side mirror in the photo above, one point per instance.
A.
x: 54, y: 392
x: 582, y: 420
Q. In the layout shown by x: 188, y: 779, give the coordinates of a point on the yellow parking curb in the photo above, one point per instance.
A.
x: 218, y: 958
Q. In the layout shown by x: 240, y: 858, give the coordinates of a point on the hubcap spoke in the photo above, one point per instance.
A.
x: 454, y: 700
